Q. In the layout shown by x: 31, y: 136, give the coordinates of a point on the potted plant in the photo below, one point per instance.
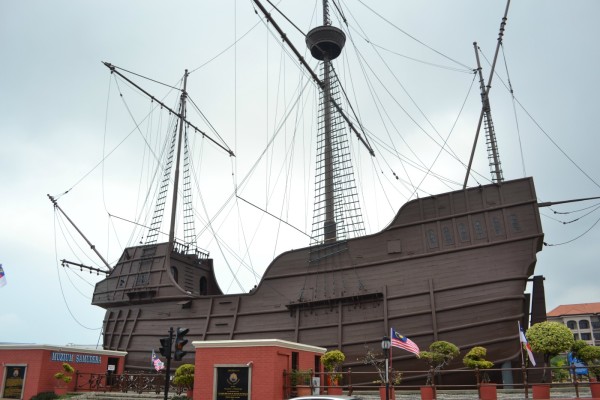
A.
x: 378, y: 362
x: 332, y: 363
x: 591, y: 356
x: 184, y: 377
x: 300, y: 381
x: 439, y: 355
x: 549, y: 338
x: 63, y: 378
x: 475, y: 359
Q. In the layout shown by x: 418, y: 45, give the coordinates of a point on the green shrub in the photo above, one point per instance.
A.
x: 184, y: 376
x: 591, y: 355
x: 332, y: 362
x: 475, y: 358
x: 439, y: 355
x: 550, y: 338
x: 299, y: 377
x: 66, y: 374
x: 45, y: 396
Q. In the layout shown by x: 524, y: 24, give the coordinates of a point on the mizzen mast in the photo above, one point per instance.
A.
x: 493, y: 156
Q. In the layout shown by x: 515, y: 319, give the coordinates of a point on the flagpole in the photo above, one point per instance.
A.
x: 523, y: 367
x: 391, y: 349
x: 521, y: 345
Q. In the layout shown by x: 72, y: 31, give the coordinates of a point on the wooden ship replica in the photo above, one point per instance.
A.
x: 452, y: 267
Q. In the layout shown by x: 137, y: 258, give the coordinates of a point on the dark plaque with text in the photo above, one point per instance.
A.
x: 232, y: 383
x: 13, y: 382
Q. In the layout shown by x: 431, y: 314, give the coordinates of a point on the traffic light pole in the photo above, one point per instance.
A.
x: 168, y: 371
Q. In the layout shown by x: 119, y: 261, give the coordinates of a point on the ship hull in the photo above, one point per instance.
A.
x: 450, y: 267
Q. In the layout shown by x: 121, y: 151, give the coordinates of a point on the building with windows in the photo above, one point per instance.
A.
x: 582, y: 319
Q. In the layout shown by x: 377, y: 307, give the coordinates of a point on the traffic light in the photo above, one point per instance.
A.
x: 180, y: 341
x: 165, y: 346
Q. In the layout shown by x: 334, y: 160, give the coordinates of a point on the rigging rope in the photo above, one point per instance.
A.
x: 414, y: 38
x: 546, y: 133
x: 575, y: 238
x: 62, y: 292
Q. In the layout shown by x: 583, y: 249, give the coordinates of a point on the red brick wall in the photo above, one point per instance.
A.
x: 266, y: 370
x: 39, y: 375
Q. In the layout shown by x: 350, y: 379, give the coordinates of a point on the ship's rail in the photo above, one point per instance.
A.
x: 187, y: 248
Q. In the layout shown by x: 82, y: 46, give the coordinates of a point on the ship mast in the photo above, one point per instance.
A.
x: 182, y: 111
x: 108, y: 267
x: 329, y: 226
x: 179, y: 138
x: 337, y: 215
x: 493, y: 156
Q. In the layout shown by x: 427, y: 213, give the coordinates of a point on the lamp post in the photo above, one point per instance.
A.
x: 385, y: 346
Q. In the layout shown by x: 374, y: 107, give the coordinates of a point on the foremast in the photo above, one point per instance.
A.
x: 493, y: 155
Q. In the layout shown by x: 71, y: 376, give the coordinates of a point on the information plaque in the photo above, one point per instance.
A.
x: 232, y: 383
x: 13, y: 382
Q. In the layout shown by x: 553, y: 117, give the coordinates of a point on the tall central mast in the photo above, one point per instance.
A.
x: 326, y: 43
x: 329, y: 228
x: 179, y: 144
x: 337, y: 215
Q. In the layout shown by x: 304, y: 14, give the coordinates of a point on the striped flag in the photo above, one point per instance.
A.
x: 403, y: 342
x: 2, y: 277
x: 523, y: 340
x: 156, y: 363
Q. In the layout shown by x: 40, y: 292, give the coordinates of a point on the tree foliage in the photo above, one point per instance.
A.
x: 577, y: 346
x: 66, y: 374
x: 549, y: 338
x: 475, y: 358
x: 439, y: 355
x: 591, y: 355
x: 184, y: 376
x: 332, y: 362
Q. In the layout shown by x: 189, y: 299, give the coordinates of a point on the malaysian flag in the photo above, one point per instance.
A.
x: 2, y: 277
x: 523, y: 340
x: 403, y: 342
x: 156, y: 363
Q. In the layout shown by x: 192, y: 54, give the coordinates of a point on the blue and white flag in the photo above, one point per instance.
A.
x: 2, y: 277
x: 526, y: 344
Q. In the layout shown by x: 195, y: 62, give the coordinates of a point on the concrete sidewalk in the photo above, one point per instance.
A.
x: 503, y: 394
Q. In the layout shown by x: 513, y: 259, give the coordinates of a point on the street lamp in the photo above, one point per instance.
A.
x: 385, y: 346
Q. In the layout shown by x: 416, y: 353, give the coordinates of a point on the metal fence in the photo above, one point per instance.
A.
x: 351, y: 381
x: 127, y: 382
x: 566, y: 377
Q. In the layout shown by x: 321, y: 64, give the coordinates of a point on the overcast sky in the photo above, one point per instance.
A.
x: 55, y: 125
